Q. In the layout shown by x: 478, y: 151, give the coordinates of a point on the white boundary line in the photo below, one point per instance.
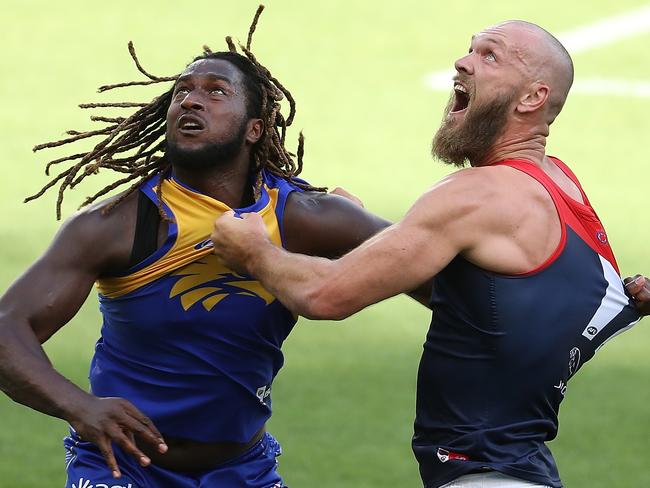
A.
x: 607, y: 31
x: 612, y: 87
x: 586, y: 38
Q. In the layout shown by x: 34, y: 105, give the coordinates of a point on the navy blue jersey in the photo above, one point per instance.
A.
x: 497, y: 359
x: 194, y: 345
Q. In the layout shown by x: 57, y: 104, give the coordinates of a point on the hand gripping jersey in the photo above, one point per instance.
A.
x: 192, y: 344
x: 501, y: 349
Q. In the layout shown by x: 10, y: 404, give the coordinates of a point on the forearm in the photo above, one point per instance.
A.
x: 294, y: 279
x: 394, y: 261
x: 27, y: 376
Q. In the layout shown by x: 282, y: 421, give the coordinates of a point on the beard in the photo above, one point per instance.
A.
x: 470, y: 139
x: 209, y: 155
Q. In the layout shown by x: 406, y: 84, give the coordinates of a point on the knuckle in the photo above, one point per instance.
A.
x: 124, y: 404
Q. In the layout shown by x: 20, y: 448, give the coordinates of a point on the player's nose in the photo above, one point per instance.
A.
x: 464, y: 65
x: 192, y: 101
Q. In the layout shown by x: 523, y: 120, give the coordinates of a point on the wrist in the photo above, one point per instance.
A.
x: 74, y: 405
x: 257, y: 255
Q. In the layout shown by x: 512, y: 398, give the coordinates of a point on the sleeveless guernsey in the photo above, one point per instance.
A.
x: 193, y: 345
x: 497, y: 358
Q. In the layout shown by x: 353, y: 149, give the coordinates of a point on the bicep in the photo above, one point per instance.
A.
x: 331, y: 226
x: 400, y: 259
x: 397, y: 260
x: 46, y: 296
x: 53, y: 289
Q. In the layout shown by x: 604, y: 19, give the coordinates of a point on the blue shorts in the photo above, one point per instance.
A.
x: 256, y: 468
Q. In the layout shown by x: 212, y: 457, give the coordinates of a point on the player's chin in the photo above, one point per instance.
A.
x: 188, y: 143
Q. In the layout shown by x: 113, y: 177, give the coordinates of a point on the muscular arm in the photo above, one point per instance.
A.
x: 42, y: 301
x: 441, y: 224
x: 34, y: 308
x: 326, y: 225
x: 37, y: 305
x: 477, y: 212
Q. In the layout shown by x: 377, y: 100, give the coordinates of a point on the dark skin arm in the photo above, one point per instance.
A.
x: 42, y: 301
x: 329, y: 225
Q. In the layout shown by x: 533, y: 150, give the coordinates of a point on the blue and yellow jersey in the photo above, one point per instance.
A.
x: 192, y: 344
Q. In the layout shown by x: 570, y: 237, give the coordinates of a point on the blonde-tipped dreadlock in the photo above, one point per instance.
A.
x: 140, y: 138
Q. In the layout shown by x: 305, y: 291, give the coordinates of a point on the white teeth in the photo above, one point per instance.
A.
x: 460, y: 88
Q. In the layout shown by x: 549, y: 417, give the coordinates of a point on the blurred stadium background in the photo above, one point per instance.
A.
x: 344, y: 404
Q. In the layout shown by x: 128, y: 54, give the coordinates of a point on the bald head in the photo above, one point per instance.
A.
x: 545, y: 59
x: 509, y: 87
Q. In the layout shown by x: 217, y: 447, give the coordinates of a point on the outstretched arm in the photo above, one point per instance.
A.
x: 396, y: 260
x: 38, y: 304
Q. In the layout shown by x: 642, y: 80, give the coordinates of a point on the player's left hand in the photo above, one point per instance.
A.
x: 639, y: 288
x: 236, y: 239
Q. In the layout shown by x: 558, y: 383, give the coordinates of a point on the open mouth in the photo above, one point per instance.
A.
x: 461, y: 99
x: 190, y: 123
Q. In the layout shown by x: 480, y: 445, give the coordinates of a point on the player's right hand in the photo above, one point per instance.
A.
x: 104, y: 421
x: 639, y: 288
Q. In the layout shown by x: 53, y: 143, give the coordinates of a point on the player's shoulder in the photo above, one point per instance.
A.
x: 325, y: 224
x: 320, y: 207
x: 316, y: 204
x: 108, y: 215
x: 102, y: 231
x: 498, y: 185
x: 476, y: 197
x: 461, y: 189
x: 481, y: 179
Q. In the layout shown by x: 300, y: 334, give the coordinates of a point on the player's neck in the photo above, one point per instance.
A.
x: 229, y: 182
x: 517, y: 145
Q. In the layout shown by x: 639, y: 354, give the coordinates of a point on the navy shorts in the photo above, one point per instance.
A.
x: 256, y: 468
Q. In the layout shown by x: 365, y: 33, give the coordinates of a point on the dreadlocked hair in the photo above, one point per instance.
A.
x: 135, y: 145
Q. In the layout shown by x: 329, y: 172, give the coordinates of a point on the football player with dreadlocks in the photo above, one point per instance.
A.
x: 181, y: 376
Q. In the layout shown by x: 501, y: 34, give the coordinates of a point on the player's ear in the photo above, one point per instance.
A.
x: 534, y: 98
x: 254, y: 129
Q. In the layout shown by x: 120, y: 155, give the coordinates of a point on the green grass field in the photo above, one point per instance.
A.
x: 344, y: 404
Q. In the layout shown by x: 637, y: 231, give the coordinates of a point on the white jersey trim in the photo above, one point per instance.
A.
x: 613, y: 303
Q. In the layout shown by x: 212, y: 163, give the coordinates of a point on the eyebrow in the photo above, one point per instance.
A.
x: 492, y: 40
x: 211, y: 76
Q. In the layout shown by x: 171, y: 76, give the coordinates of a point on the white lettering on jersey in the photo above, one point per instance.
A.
x: 84, y: 483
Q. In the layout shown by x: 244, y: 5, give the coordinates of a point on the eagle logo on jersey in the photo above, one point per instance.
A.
x: 207, y: 281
